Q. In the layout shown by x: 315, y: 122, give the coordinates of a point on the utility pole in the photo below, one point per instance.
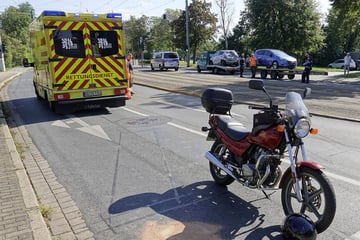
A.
x: 2, y: 60
x: 187, y: 34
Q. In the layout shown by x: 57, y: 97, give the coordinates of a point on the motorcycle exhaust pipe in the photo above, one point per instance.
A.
x: 209, y: 156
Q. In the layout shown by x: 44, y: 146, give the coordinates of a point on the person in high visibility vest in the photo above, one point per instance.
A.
x: 130, y: 72
x: 252, y: 65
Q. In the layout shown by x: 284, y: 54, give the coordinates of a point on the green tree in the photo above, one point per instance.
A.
x: 162, y: 33
x: 15, y: 33
x: 344, y: 22
x: 290, y: 25
x: 202, y: 26
x: 15, y: 21
x: 135, y: 30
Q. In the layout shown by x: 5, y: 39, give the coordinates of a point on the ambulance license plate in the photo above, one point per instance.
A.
x: 92, y: 94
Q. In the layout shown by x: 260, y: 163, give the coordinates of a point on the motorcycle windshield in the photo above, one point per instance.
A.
x: 295, y: 107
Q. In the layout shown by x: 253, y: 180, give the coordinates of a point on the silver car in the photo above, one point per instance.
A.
x: 165, y: 60
x: 339, y: 63
x: 225, y: 58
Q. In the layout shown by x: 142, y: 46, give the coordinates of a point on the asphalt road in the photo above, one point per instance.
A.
x: 139, y: 172
x: 333, y: 96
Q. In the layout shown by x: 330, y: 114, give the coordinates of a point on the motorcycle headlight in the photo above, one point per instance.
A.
x: 302, y: 128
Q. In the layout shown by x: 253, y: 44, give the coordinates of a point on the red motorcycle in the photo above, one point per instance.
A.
x: 253, y: 158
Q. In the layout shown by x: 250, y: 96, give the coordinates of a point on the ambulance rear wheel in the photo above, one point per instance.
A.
x: 52, y: 106
x: 37, y: 93
x: 50, y: 103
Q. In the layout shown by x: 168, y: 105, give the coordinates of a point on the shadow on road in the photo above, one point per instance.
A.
x: 202, y: 210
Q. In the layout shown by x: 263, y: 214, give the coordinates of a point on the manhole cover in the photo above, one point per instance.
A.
x: 150, y: 120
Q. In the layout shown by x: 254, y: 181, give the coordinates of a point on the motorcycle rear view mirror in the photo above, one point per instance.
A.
x: 259, y: 85
x: 256, y: 84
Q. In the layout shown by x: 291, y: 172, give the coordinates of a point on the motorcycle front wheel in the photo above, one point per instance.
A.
x: 318, y: 197
x: 219, y: 176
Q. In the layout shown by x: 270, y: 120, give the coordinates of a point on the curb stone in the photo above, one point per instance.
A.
x: 38, y: 184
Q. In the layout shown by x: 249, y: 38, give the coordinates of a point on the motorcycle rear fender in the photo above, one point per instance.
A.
x: 299, y: 166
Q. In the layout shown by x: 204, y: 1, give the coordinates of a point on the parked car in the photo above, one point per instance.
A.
x: 225, y: 58
x: 356, y: 57
x: 275, y: 59
x: 339, y: 63
x: 165, y: 60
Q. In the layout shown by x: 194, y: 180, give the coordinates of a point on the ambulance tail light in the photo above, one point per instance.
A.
x: 61, y: 96
x: 120, y: 91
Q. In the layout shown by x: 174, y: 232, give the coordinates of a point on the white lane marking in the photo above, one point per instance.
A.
x: 95, y: 130
x: 187, y: 129
x: 60, y: 123
x: 169, y: 123
x: 355, y: 236
x: 332, y: 175
x: 344, y: 179
x: 138, y: 113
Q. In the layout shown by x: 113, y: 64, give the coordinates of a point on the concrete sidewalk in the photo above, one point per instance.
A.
x: 27, y: 184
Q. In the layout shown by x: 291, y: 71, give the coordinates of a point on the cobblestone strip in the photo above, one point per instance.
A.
x: 20, y: 217
x: 65, y: 220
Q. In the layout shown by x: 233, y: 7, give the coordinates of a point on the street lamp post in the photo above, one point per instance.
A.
x: 2, y: 60
x: 187, y: 33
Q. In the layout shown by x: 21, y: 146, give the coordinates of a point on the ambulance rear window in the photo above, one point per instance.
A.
x: 69, y: 43
x: 104, y: 43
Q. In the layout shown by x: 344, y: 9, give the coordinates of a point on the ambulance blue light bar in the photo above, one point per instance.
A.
x: 53, y: 13
x: 114, y: 15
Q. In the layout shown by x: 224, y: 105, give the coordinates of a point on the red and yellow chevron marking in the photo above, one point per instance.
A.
x: 77, y: 73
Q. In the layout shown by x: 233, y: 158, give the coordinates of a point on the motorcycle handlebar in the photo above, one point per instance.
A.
x: 273, y: 108
x: 258, y: 108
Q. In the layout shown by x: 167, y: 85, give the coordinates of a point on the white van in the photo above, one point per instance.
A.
x: 165, y: 60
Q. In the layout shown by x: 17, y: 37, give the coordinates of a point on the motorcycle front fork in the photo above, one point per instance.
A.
x: 293, y: 159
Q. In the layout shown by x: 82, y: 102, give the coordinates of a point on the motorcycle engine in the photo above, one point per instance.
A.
x: 262, y: 169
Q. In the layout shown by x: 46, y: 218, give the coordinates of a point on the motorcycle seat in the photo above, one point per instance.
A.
x: 232, y: 128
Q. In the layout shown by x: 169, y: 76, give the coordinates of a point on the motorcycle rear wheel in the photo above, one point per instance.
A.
x: 318, y: 197
x: 219, y: 176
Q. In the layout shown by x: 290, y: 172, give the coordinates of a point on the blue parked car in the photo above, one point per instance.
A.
x: 273, y: 58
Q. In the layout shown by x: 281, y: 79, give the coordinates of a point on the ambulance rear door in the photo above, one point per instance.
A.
x: 86, y: 59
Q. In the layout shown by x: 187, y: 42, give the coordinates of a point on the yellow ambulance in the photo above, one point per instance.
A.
x: 79, y: 60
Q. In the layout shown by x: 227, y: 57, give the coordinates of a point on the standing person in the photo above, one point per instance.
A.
x: 347, y: 61
x: 252, y: 64
x: 130, y: 72
x: 242, y: 64
x: 305, y: 78
x: 247, y: 60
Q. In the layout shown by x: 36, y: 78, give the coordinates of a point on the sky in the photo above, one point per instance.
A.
x: 128, y: 8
